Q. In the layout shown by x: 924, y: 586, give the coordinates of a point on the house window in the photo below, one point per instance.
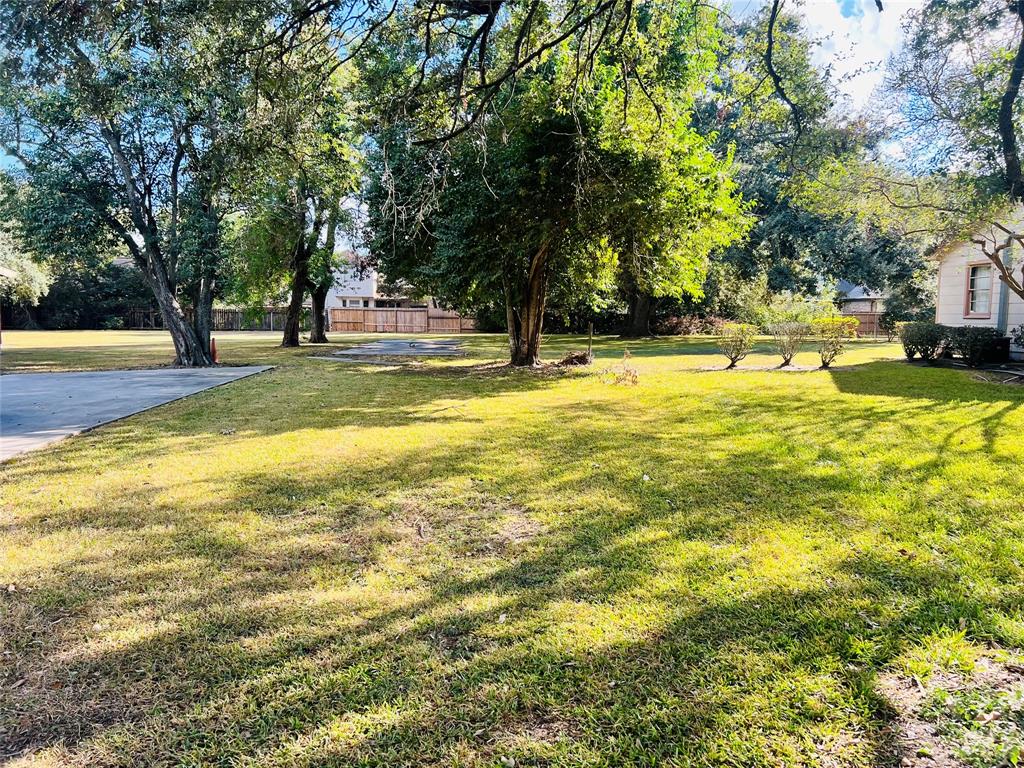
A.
x: 978, y: 302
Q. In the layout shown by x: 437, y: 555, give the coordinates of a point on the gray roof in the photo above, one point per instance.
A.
x: 849, y: 292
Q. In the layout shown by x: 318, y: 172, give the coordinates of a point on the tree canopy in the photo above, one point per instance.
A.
x: 562, y: 188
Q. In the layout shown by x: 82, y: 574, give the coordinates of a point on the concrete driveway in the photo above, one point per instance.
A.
x: 405, y: 348
x: 37, y: 409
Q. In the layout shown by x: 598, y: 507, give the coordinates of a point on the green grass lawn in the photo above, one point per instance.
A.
x: 457, y: 564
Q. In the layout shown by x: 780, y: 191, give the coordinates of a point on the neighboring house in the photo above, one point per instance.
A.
x: 969, y: 289
x: 863, y: 303
x: 358, y: 303
x: 356, y: 288
x: 856, y: 299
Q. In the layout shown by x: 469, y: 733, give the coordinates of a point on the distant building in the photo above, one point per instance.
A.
x: 359, y: 303
x: 357, y: 287
x: 863, y: 303
x: 858, y: 299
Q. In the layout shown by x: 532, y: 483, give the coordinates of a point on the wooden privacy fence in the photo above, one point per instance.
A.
x: 399, y: 320
x: 868, y: 323
x: 269, y: 319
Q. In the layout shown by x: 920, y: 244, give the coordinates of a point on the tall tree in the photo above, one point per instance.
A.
x: 292, y: 200
x: 565, y: 182
x: 134, y: 115
x: 955, y: 109
x: 782, y: 143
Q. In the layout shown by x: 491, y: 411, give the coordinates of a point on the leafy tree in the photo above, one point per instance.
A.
x: 129, y: 120
x: 97, y: 296
x: 22, y: 279
x: 956, y: 110
x: 569, y: 183
x: 285, y: 232
x: 781, y: 145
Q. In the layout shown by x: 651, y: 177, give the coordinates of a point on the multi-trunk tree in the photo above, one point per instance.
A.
x: 296, y: 202
x: 134, y: 119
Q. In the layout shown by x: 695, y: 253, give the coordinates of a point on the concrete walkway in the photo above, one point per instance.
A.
x: 37, y: 409
x: 406, y: 348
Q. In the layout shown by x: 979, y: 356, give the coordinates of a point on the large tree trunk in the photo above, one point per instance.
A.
x: 31, y: 321
x: 318, y: 321
x: 149, y: 257
x: 189, y: 352
x: 1005, y: 120
x: 202, y: 318
x: 300, y: 277
x: 638, y: 321
x: 526, y: 321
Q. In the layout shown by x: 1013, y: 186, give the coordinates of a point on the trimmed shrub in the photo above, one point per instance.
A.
x: 833, y: 333
x: 889, y: 324
x: 1017, y: 335
x: 736, y: 341
x: 975, y: 344
x: 788, y: 337
x: 926, y: 340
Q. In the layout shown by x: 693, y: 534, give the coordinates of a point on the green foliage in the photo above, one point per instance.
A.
x: 788, y: 337
x: 924, y: 339
x: 93, y: 296
x: 736, y: 341
x: 833, y: 333
x: 901, y: 307
x: 565, y: 186
x: 789, y: 307
x: 793, y: 244
x: 22, y: 279
x: 975, y: 344
x: 947, y: 103
x: 1017, y: 334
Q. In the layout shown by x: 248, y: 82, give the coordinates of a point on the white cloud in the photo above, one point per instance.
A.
x: 858, y: 44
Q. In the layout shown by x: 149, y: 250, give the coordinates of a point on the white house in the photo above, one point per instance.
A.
x: 969, y: 289
x: 361, y: 288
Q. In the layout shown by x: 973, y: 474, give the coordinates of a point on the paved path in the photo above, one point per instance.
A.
x: 406, y: 348
x: 40, y: 408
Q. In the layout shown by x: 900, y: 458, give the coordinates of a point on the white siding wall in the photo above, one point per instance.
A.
x: 949, y: 306
x: 349, y: 284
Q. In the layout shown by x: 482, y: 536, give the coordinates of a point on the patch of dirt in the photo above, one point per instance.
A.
x: 921, y: 739
x: 484, y: 523
x: 529, y: 735
x: 917, y: 744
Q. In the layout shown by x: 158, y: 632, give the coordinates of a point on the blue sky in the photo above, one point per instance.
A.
x: 858, y: 40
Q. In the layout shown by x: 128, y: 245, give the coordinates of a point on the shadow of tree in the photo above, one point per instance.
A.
x: 700, y: 579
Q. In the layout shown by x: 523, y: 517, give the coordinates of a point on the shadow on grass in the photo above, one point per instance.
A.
x: 636, y: 604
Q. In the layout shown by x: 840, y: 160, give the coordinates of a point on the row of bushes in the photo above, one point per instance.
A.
x: 830, y: 333
x: 976, y: 345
